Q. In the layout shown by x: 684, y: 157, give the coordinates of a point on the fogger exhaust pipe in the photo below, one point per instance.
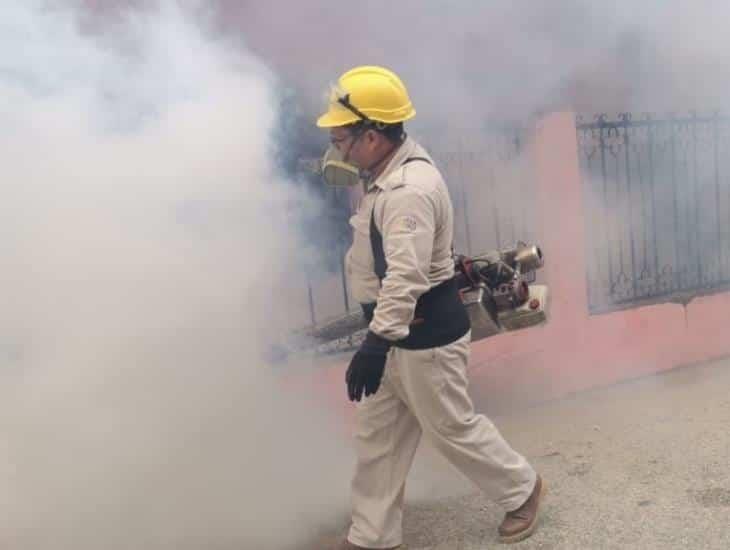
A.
x: 528, y: 258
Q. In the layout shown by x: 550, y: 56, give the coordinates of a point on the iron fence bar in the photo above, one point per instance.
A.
x: 630, y: 207
x: 677, y: 268
x: 686, y: 195
x: 617, y: 227
x: 715, y: 135
x: 606, y: 222
x: 644, y: 217
x: 727, y: 203
x: 696, y: 200
x: 651, y: 137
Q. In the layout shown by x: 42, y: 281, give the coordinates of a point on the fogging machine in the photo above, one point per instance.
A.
x: 497, y: 290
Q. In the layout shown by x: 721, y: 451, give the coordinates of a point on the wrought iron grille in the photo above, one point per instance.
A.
x: 657, y: 201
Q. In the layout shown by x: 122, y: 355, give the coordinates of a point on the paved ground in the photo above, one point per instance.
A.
x: 641, y: 465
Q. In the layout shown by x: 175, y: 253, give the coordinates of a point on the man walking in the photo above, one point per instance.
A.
x: 409, y: 376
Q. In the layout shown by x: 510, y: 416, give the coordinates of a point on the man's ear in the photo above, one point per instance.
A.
x: 371, y: 136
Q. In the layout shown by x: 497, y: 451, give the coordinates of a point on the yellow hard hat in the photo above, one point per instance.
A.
x: 367, y: 93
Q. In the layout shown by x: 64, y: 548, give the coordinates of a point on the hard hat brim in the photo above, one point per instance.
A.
x: 335, y: 119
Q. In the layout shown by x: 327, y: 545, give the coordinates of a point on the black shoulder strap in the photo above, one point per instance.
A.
x: 376, y: 238
x: 376, y: 243
x: 412, y: 159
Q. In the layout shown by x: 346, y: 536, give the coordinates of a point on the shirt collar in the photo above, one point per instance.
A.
x: 405, y: 150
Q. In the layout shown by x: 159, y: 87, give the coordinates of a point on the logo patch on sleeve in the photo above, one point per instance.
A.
x: 409, y: 223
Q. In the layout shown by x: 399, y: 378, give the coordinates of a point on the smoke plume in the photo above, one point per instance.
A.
x: 470, y: 62
x: 143, y: 227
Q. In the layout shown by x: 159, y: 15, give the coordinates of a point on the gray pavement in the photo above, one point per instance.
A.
x: 640, y: 465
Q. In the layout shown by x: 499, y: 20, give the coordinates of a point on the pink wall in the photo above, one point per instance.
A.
x: 573, y: 351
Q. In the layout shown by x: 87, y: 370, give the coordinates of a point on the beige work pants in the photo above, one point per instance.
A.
x: 426, y: 391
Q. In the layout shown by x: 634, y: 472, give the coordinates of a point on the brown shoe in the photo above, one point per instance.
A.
x: 521, y: 523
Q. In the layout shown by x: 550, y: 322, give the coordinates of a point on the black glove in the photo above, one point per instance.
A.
x: 366, y: 367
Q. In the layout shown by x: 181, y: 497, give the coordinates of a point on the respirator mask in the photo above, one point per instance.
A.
x: 336, y: 172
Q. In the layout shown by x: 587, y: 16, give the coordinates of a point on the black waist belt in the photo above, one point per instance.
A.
x: 440, y: 318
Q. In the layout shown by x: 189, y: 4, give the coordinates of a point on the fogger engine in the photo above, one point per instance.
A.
x: 497, y: 290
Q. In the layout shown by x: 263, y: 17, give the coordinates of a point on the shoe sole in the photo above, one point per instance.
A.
x: 522, y: 535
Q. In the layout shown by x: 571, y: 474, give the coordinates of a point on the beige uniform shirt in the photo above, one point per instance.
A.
x: 414, y: 214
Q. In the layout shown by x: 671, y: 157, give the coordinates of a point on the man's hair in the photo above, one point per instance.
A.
x: 392, y: 132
